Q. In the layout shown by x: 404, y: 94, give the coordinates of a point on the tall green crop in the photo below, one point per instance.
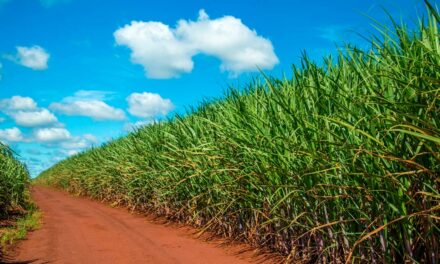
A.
x: 341, y: 162
x: 14, y: 181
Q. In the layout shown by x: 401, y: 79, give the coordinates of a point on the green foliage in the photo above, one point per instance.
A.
x: 340, y: 162
x: 14, y: 198
x: 9, y: 235
x: 14, y: 181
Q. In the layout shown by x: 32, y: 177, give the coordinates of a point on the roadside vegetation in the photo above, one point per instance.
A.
x: 19, y: 229
x: 17, y: 213
x: 14, y: 183
x: 339, y: 163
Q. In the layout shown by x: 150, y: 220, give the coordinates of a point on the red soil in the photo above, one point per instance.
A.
x: 79, y: 230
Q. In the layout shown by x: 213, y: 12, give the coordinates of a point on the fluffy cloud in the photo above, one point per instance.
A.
x: 90, y: 95
x: 148, y: 105
x: 43, y: 126
x: 97, y: 110
x: 16, y: 103
x: 167, y: 52
x: 25, y: 112
x: 37, y: 118
x: 72, y: 152
x: 51, y: 135
x: 11, y: 135
x: 155, y: 46
x: 34, y: 57
x: 90, y: 138
x: 79, y: 143
x: 88, y: 103
x: 130, y: 127
x: 62, y: 140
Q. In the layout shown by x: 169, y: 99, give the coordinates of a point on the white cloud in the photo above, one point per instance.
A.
x: 90, y: 138
x: 63, y: 140
x: 97, y: 110
x: 70, y: 145
x: 129, y: 127
x: 238, y: 47
x: 78, y: 143
x: 11, y: 135
x: 34, y: 57
x: 90, y: 104
x: 90, y: 95
x: 72, y: 152
x: 167, y: 52
x: 51, y: 135
x: 155, y: 46
x: 17, y: 102
x: 25, y: 112
x: 148, y: 105
x: 36, y: 118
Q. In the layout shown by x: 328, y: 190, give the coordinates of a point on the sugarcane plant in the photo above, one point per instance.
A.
x: 340, y: 162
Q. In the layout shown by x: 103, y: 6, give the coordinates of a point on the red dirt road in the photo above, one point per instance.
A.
x: 79, y: 230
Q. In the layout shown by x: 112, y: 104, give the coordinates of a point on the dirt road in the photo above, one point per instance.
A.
x: 79, y: 230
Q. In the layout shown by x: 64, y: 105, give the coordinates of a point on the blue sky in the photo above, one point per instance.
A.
x: 76, y: 73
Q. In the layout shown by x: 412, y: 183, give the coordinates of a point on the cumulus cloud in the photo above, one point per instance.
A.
x: 62, y: 140
x: 78, y: 143
x: 16, y: 103
x: 34, y: 57
x: 25, y: 112
x: 11, y: 135
x: 51, y: 135
x: 97, y: 110
x: 91, y: 95
x: 167, y: 52
x: 72, y: 145
x: 72, y: 152
x: 36, y: 118
x: 148, y: 105
x: 89, y: 104
x: 43, y: 127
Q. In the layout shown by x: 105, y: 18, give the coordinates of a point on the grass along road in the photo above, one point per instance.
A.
x: 79, y: 230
